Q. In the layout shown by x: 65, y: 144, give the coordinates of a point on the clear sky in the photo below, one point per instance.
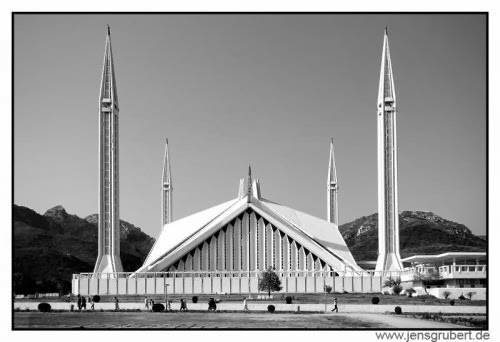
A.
x: 266, y: 90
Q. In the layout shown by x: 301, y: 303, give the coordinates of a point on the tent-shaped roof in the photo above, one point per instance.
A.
x: 318, y: 235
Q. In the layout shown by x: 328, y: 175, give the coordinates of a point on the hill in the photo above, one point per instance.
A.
x: 49, y: 248
x: 419, y: 233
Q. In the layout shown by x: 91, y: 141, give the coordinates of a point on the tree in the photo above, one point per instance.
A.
x: 429, y: 278
x: 327, y: 288
x: 269, y: 281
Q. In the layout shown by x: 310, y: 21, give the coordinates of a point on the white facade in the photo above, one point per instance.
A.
x: 108, y: 257
x: 388, y: 215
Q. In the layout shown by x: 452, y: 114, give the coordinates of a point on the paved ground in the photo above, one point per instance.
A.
x: 196, y: 320
x: 280, y: 307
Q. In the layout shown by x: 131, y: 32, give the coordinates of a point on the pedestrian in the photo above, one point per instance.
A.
x: 91, y: 300
x: 117, y: 307
x: 79, y: 302
x: 84, y: 303
x: 151, y: 303
x: 146, y: 303
x: 245, y: 306
x: 169, y: 305
x: 335, y: 308
x: 183, y: 304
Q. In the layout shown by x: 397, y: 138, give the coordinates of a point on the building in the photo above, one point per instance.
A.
x: 224, y: 248
x: 455, y: 272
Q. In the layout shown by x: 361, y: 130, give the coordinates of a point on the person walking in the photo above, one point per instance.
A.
x: 335, y: 308
x: 245, y: 306
x: 91, y: 300
x: 117, y: 306
x: 84, y: 303
x: 79, y: 303
x: 146, y: 303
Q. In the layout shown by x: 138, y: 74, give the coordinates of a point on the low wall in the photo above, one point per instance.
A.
x: 280, y: 306
x: 215, y: 285
x: 480, y: 292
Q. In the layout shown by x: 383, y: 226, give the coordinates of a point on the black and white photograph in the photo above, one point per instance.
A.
x: 263, y: 171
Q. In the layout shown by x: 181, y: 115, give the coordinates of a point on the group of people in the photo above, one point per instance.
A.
x: 148, y: 304
x: 81, y: 303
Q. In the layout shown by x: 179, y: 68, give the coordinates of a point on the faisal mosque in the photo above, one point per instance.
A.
x: 223, y: 249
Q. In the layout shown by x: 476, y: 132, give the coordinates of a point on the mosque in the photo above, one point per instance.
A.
x: 223, y: 249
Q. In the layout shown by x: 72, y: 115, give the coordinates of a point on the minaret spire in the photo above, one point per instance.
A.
x: 332, y: 189
x: 388, y: 215
x: 166, y: 189
x: 108, y: 255
x: 249, y: 185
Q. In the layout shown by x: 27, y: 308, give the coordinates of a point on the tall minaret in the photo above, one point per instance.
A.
x: 388, y: 218
x: 108, y: 255
x: 166, y: 190
x: 332, y: 189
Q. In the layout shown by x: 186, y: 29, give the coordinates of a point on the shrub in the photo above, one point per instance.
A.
x: 158, y: 307
x: 446, y: 294
x: 195, y: 299
x: 328, y: 288
x: 375, y: 300
x: 461, y: 297
x: 271, y: 308
x: 96, y: 299
x: 44, y: 307
x: 410, y: 291
x: 470, y: 294
x: 398, y: 310
x: 288, y: 300
x: 452, y: 302
x: 396, y: 289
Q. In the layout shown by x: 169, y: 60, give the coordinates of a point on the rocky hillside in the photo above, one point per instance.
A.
x: 49, y: 248
x: 419, y: 233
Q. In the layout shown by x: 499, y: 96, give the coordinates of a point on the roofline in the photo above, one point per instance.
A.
x: 444, y: 255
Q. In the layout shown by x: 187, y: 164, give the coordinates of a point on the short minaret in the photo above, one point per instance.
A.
x: 166, y: 190
x: 388, y: 217
x: 332, y: 189
x: 108, y: 254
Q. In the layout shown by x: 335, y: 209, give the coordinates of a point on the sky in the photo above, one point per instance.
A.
x: 266, y: 90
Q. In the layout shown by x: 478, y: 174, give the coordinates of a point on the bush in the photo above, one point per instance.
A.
x: 44, y: 307
x: 396, y: 289
x: 96, y: 298
x: 271, y: 308
x: 398, y: 310
x: 375, y: 300
x: 446, y: 294
x: 410, y: 291
x: 158, y: 307
x: 452, y: 302
x: 461, y: 297
x: 194, y: 299
x: 328, y: 288
x: 288, y: 300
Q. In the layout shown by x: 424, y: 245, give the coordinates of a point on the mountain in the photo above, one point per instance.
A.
x: 419, y: 233
x: 49, y: 248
